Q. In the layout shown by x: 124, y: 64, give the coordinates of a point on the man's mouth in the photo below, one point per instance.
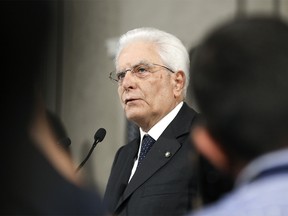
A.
x: 129, y: 100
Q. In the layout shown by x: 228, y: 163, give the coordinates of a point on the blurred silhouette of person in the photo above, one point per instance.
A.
x: 212, y: 182
x: 240, y: 76
x: 59, y: 130
x: 37, y: 175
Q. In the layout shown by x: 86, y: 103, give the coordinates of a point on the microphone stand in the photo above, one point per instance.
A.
x: 88, y: 155
x: 98, y: 137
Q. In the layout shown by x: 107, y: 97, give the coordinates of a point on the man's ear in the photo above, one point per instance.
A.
x: 179, y: 82
x: 209, y: 148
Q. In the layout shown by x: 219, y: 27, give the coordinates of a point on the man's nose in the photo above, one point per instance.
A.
x: 129, y: 80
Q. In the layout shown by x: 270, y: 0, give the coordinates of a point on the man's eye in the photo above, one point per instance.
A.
x: 141, y: 69
x: 120, y: 75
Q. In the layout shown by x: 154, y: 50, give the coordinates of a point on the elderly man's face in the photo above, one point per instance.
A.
x: 146, y: 100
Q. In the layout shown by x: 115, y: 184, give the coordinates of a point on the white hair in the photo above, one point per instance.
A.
x: 170, y: 49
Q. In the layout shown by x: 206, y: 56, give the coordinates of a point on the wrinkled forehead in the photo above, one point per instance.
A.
x: 137, y: 52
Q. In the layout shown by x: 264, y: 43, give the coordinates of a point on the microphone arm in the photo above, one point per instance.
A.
x: 98, y: 137
x: 87, y: 157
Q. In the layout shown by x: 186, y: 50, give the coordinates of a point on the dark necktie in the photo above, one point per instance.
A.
x: 147, y: 143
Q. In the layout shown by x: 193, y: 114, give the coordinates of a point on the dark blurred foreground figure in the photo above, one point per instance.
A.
x: 212, y: 182
x: 58, y: 130
x: 240, y: 83
x: 37, y: 175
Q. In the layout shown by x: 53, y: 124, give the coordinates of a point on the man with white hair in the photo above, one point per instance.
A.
x: 153, y: 174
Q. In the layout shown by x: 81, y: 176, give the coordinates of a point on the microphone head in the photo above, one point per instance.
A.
x: 99, y: 135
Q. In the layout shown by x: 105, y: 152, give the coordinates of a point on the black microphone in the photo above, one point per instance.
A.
x: 98, y: 137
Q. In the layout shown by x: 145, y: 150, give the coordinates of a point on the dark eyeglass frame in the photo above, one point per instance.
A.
x: 114, y: 74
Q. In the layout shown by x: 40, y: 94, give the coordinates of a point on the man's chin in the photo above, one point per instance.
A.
x: 134, y: 116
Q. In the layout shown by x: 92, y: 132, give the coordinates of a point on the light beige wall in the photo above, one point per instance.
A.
x: 90, y: 100
x: 284, y: 9
x: 187, y: 19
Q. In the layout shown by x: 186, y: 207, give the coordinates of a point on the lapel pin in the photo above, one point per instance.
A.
x: 167, y: 154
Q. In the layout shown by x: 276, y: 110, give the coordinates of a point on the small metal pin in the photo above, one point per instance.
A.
x: 167, y: 154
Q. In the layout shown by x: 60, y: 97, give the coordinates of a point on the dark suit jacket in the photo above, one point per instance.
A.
x: 161, y: 185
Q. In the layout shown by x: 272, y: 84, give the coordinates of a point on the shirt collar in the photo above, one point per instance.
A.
x: 158, y: 128
x: 264, y: 162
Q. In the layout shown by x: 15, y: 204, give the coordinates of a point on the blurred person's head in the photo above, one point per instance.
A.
x: 152, y: 70
x: 240, y: 76
x: 58, y: 129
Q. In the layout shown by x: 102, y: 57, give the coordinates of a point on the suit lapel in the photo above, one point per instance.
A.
x: 120, y: 174
x: 130, y: 154
x: 170, y: 141
x: 129, y: 158
x: 154, y: 160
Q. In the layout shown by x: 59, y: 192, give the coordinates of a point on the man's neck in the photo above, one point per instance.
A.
x: 161, y: 125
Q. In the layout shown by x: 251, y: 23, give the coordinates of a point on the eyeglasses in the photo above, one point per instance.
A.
x: 140, y: 70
